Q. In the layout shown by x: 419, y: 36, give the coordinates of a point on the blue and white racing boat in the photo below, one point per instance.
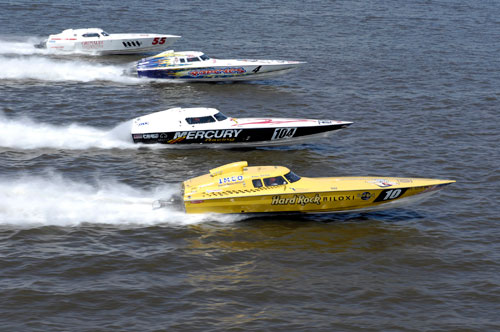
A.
x: 196, y: 66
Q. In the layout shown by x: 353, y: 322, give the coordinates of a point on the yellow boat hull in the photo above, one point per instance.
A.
x: 322, y: 202
x: 237, y: 188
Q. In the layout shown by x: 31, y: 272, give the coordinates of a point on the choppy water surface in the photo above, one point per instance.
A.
x: 81, y: 248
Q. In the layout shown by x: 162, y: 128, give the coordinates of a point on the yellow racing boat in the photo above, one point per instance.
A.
x: 237, y: 188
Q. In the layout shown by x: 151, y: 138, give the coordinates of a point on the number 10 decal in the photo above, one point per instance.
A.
x: 389, y: 194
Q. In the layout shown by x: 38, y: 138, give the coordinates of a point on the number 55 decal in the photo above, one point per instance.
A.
x: 159, y: 40
x: 389, y: 194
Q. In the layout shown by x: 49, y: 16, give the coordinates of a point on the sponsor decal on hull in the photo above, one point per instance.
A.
x: 231, y: 179
x: 222, y: 135
x: 248, y: 135
x: 365, y: 196
x: 222, y: 71
x: 296, y: 200
x: 93, y: 44
x: 383, y: 183
x: 185, y: 73
x: 317, y: 199
x: 208, y: 134
x: 150, y: 136
x: 338, y: 198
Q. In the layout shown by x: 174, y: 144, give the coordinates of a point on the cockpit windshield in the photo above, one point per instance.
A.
x: 274, y: 181
x: 292, y: 177
x: 220, y: 117
x: 204, y: 57
x: 104, y: 33
x: 200, y: 119
x: 257, y: 183
x: 90, y: 35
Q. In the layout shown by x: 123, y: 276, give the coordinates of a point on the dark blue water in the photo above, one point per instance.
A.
x: 81, y: 249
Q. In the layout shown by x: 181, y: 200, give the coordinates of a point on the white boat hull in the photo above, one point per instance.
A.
x: 175, y: 128
x: 112, y: 44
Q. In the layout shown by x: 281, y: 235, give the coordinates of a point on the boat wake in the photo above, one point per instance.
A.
x: 21, y: 46
x: 24, y: 133
x: 21, y: 60
x: 46, y: 69
x: 35, y: 201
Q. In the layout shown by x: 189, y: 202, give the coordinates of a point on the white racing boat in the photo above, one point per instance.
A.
x: 97, y: 41
x: 207, y: 127
x: 196, y: 66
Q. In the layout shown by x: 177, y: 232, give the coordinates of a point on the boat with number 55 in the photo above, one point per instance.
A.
x: 207, y: 127
x: 237, y: 188
x: 193, y: 66
x: 97, y: 41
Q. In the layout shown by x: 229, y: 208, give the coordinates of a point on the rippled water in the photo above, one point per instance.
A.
x: 81, y: 248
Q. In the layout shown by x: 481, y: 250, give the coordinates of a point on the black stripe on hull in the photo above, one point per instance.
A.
x: 231, y: 136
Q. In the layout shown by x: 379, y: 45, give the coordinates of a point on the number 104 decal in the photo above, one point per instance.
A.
x: 389, y: 194
x: 280, y: 133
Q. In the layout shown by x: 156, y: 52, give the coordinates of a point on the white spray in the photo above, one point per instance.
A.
x: 35, y: 201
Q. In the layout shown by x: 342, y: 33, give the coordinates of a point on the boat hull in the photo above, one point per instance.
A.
x: 220, y: 73
x: 363, y: 200
x: 115, y: 44
x: 238, y: 137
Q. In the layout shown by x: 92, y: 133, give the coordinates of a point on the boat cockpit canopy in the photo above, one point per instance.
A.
x: 220, y: 117
x: 292, y: 177
x: 202, y: 57
x: 95, y: 34
x: 276, y: 180
x: 87, y: 35
x: 206, y: 119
